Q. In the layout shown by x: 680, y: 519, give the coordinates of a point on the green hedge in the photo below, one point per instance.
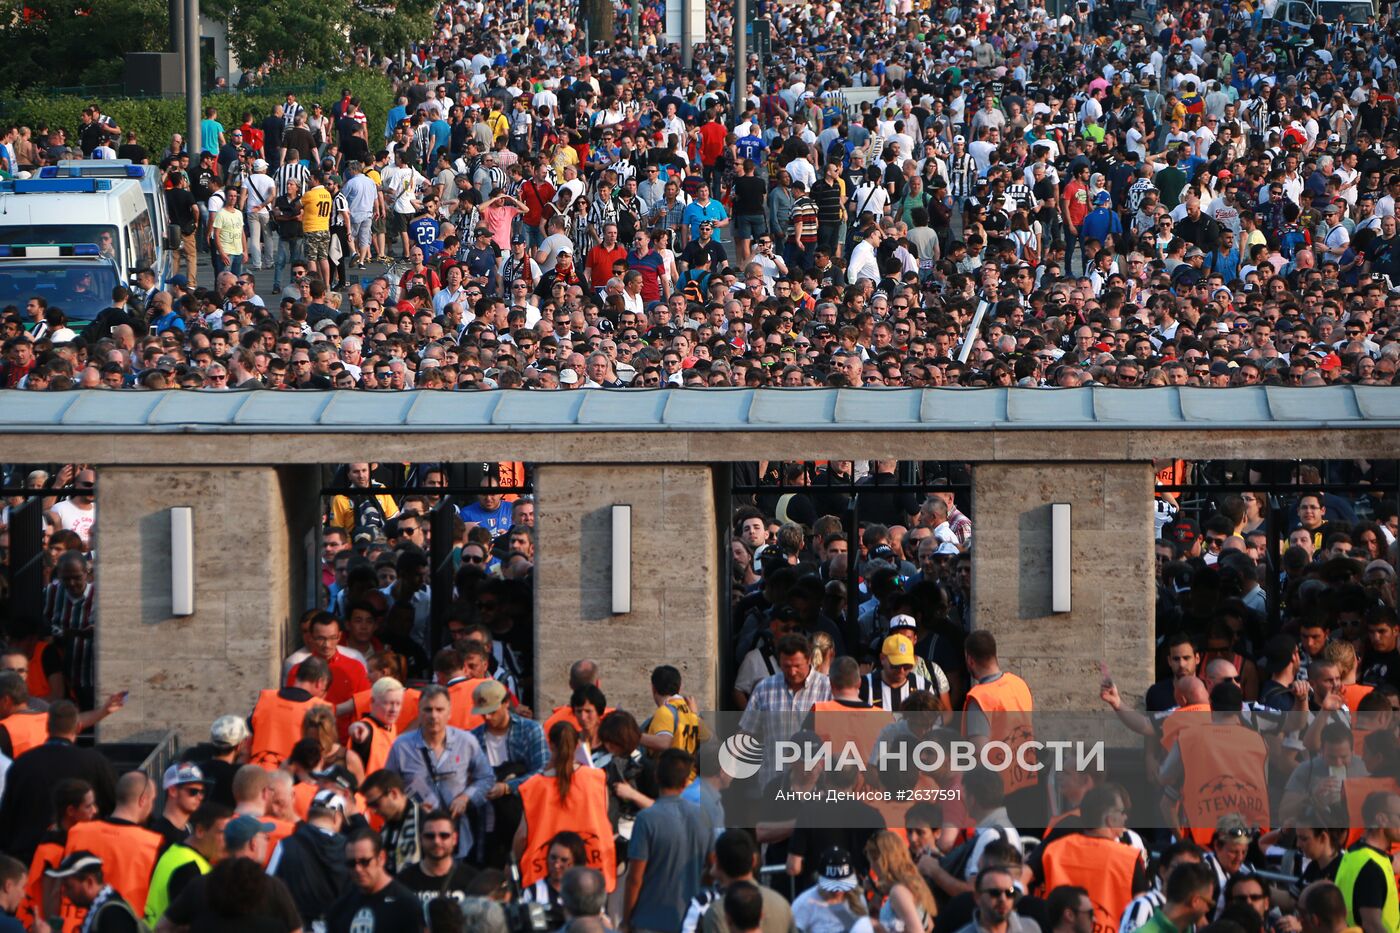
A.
x: 155, y: 119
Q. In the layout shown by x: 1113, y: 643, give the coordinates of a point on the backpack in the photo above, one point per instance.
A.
x: 694, y: 284
x: 1291, y: 239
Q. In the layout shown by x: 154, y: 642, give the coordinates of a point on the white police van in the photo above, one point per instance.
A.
x: 152, y: 186
x: 70, y: 240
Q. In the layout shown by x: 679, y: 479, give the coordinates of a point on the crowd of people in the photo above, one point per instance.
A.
x: 1195, y: 197
x: 400, y: 776
x: 911, y: 196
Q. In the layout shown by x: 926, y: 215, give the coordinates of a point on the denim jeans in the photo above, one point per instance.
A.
x: 288, y: 252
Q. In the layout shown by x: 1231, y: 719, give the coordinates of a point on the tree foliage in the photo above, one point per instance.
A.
x: 60, y: 43
x: 389, y: 28
x: 290, y: 33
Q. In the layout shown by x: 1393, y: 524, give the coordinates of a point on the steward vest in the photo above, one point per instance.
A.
x: 1353, y: 860
x: 1103, y: 867
x: 27, y: 730
x: 1226, y: 769
x: 1194, y: 714
x: 128, y: 854
x: 48, y: 854
x: 302, y: 795
x: 36, y: 680
x: 584, y: 811
x: 462, y: 703
x: 175, y: 858
x: 381, y: 739
x: 1352, y: 694
x: 408, y: 714
x: 849, y: 727
x: 1007, y: 704
x: 277, y: 727
x: 1355, y: 791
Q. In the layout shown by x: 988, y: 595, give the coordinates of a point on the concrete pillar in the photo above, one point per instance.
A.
x: 255, y: 531
x: 1113, y: 570
x: 675, y: 580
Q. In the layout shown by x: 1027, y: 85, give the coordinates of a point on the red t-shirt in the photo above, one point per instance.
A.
x: 600, y: 263
x: 712, y: 137
x: 535, y: 199
x: 348, y: 677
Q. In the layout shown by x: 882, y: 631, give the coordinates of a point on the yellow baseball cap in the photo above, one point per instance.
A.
x: 898, y: 650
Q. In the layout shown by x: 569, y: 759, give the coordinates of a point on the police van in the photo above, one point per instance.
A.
x: 152, y: 185
x: 67, y: 225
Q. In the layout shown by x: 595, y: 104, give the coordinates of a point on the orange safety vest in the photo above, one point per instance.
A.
x: 1054, y: 822
x: 462, y: 703
x: 302, y: 795
x: 1352, y: 694
x: 381, y: 739
x: 584, y: 810
x: 27, y: 730
x: 36, y: 680
x: 128, y: 854
x: 843, y: 726
x: 408, y: 715
x: 1103, y: 867
x: 1226, y: 768
x: 283, y: 830
x: 511, y: 473
x: 47, y: 856
x: 277, y: 727
x: 1007, y: 704
x: 1194, y: 714
x: 1354, y: 792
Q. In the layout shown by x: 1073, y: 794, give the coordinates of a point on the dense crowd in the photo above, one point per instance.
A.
x: 1193, y: 197
x: 399, y: 776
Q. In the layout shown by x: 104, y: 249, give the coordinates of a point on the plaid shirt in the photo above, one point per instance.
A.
x: 775, y: 712
x: 71, y: 620
x: 525, y: 744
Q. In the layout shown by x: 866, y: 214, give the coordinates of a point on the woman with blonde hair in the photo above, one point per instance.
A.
x: 909, y: 906
x: 823, y: 652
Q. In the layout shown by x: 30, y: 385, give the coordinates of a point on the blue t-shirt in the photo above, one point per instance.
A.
x: 424, y: 232
x: 694, y: 214
x: 497, y: 522
x: 209, y: 131
x: 673, y: 836
x: 751, y: 147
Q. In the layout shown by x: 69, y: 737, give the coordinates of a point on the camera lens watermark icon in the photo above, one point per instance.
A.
x: 740, y: 756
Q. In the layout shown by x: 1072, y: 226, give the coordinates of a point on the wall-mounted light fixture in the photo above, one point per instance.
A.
x: 1059, y: 557
x: 182, y: 561
x: 621, y: 559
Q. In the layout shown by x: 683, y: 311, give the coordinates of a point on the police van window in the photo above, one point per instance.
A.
x: 142, y: 242
x: 43, y: 234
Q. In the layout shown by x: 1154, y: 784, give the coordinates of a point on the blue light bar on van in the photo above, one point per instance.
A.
x: 93, y: 171
x: 49, y: 251
x: 61, y: 185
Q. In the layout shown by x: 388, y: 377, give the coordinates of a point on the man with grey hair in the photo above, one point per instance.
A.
x: 583, y: 894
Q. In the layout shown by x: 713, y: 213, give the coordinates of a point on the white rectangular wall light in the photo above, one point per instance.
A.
x: 182, y: 561
x: 1060, y: 571
x: 621, y: 559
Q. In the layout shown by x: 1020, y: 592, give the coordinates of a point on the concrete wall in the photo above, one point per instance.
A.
x: 675, y: 593
x: 1113, y: 568
x: 251, y: 527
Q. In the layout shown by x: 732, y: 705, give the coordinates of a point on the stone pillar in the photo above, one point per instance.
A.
x: 255, y: 532
x: 1113, y: 594
x: 675, y: 580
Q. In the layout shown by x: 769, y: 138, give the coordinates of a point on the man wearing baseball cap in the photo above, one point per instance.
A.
x: 83, y: 883
x: 888, y: 687
x: 185, y: 787
x: 518, y: 744
x: 831, y: 904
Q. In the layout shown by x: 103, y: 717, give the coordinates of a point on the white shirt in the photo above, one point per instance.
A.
x: 863, y: 264
x: 802, y: 170
x: 75, y: 519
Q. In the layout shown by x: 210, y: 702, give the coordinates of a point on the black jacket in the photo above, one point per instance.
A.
x: 27, y: 808
x: 312, y: 866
